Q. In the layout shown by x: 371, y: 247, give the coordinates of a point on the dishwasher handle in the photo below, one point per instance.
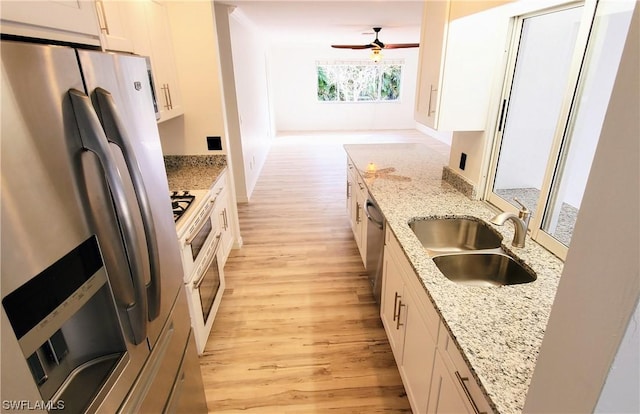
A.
x: 368, y: 204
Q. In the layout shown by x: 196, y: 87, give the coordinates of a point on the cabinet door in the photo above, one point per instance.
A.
x: 361, y: 221
x: 225, y: 225
x: 460, y: 374
x: 115, y: 33
x: 454, y: 95
x: 163, y: 61
x: 418, y: 356
x: 465, y: 90
x: 66, y: 21
x: 392, y: 317
x: 351, y: 190
x: 434, y: 23
x: 444, y: 396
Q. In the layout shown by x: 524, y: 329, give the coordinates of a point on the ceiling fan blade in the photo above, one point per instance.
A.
x: 400, y: 45
x: 369, y: 46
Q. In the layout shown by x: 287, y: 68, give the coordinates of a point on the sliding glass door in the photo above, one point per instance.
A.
x: 561, y: 72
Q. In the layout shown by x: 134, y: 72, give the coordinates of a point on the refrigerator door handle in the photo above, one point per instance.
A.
x: 94, y: 140
x: 116, y: 133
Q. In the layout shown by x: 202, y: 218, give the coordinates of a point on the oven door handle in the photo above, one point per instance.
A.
x: 117, y: 134
x: 197, y: 283
x: 94, y: 140
x: 204, y: 217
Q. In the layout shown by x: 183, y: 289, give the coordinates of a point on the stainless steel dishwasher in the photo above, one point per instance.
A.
x: 375, y: 246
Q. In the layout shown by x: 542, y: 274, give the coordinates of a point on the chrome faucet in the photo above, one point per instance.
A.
x: 520, y: 223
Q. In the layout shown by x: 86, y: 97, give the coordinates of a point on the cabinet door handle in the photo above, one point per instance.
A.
x: 395, y: 306
x: 166, y: 97
x: 462, y: 381
x: 348, y: 190
x: 400, y: 305
x: 358, y: 206
x: 431, y: 91
x: 169, y: 95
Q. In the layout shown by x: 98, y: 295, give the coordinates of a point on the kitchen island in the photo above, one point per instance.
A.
x: 498, y: 330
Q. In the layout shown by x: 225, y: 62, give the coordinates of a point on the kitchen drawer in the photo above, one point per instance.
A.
x: 460, y: 372
x: 220, y: 184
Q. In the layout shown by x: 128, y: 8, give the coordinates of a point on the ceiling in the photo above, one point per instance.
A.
x: 332, y: 22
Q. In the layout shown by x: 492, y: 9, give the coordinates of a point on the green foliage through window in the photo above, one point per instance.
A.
x: 359, y: 82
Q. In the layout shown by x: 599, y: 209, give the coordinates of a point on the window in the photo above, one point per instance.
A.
x: 564, y: 63
x: 359, y: 82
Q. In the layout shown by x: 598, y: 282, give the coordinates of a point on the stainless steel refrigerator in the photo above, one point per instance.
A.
x: 94, y: 316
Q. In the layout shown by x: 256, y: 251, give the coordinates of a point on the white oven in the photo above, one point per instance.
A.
x: 199, y: 234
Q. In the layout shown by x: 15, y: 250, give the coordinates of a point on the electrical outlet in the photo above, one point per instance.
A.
x: 463, y: 161
x: 214, y: 143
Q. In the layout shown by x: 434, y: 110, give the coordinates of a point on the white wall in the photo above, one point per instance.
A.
x: 600, y: 285
x: 620, y: 393
x: 294, y: 86
x: 471, y: 143
x: 252, y: 92
x: 246, y: 95
x: 196, y: 50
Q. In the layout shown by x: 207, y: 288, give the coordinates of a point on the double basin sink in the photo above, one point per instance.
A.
x: 469, y: 251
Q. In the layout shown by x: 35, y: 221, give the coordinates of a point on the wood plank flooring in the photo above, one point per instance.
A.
x: 298, y: 330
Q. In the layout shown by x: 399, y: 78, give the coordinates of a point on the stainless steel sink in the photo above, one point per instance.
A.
x: 455, y: 234
x: 483, y: 269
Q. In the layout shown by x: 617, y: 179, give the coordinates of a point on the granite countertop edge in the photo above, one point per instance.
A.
x: 498, y: 330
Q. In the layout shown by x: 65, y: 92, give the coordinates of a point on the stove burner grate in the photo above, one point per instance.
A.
x: 180, y: 202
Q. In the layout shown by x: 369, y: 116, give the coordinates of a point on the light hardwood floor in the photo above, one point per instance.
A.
x: 298, y: 330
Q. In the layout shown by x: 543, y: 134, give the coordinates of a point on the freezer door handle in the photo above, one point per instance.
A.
x: 94, y: 140
x: 117, y: 133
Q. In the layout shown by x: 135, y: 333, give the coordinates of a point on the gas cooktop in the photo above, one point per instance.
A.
x: 180, y: 202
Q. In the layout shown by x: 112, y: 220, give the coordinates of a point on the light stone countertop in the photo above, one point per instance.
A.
x: 193, y: 172
x: 498, y: 329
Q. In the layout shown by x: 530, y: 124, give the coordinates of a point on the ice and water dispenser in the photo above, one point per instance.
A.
x: 67, y: 327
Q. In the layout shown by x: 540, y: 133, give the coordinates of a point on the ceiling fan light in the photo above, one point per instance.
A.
x: 376, y: 55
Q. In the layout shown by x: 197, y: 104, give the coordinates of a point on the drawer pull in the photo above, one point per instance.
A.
x: 395, y: 306
x: 398, y: 324
x: 431, y: 91
x: 462, y: 380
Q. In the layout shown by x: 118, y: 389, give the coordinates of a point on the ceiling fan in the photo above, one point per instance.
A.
x: 377, y: 44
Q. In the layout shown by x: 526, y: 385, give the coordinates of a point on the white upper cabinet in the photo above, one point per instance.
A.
x: 163, y: 61
x: 65, y: 21
x: 115, y: 26
x: 142, y: 27
x: 459, y: 50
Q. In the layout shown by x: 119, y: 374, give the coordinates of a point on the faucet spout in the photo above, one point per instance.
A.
x: 520, y: 223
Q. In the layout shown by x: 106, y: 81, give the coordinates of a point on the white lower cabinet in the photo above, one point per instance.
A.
x: 222, y: 212
x: 356, y: 199
x: 454, y: 389
x: 411, y: 324
x: 444, y: 396
x: 435, y: 376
